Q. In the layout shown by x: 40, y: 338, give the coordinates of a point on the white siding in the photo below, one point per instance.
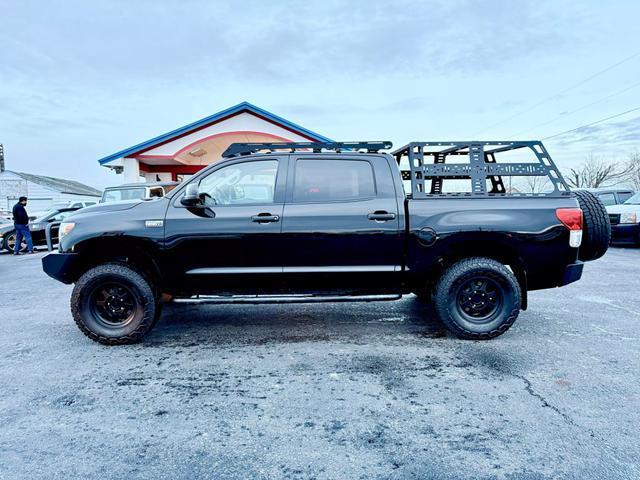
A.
x: 41, y: 198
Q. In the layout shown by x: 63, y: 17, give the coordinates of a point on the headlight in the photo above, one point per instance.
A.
x: 629, y: 217
x: 65, y: 229
x: 36, y: 226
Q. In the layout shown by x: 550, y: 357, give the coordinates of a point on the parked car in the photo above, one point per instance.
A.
x: 625, y: 221
x: 137, y: 191
x: 332, y: 222
x: 37, y: 228
x: 612, y: 196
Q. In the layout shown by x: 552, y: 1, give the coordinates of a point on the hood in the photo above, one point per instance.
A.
x: 107, y: 207
x: 623, y: 208
x: 115, y: 207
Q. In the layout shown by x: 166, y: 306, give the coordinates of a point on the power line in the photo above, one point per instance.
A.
x: 545, y: 100
x: 579, y: 109
x: 592, y: 123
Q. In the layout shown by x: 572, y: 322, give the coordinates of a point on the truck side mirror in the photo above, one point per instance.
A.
x: 190, y: 197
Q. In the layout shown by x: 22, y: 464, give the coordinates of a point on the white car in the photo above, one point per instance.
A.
x: 137, y: 191
x: 625, y: 221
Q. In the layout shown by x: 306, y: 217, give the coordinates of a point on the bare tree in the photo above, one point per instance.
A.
x: 633, y: 165
x: 596, y: 172
x: 536, y: 184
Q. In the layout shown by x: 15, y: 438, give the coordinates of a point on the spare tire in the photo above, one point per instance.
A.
x: 596, y: 228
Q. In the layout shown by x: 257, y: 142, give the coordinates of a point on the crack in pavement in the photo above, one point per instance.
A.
x: 528, y: 386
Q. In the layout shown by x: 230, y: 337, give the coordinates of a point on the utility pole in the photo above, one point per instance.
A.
x: 1, y: 158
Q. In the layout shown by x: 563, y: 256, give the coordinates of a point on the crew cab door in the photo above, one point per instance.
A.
x: 230, y: 243
x: 341, y: 225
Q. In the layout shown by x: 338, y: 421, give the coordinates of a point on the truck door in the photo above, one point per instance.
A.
x: 341, y: 225
x: 233, y: 243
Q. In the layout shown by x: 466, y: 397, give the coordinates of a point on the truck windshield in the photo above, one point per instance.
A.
x: 45, y: 216
x: 118, y: 194
x: 635, y: 200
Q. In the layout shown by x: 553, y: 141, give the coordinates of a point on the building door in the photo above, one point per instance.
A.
x: 232, y: 240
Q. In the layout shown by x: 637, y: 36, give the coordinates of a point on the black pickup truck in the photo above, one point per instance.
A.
x: 309, y: 222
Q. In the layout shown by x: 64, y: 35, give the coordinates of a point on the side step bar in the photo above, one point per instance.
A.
x: 282, y: 299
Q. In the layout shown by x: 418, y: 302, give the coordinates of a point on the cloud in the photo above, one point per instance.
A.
x: 615, y: 132
x: 280, y: 41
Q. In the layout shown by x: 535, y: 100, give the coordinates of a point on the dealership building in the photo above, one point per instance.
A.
x: 180, y: 153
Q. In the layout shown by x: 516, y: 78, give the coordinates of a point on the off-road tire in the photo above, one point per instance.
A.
x: 146, y: 308
x: 447, y: 291
x: 596, y: 228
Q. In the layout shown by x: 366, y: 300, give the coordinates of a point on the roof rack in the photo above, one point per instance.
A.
x: 238, y: 149
x: 481, y: 167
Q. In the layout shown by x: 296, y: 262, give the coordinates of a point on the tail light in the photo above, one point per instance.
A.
x: 572, y: 219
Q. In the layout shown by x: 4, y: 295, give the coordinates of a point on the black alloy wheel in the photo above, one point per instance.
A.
x: 477, y: 298
x: 115, y: 304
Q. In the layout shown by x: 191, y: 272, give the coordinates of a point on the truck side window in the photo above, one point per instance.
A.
x: 333, y: 180
x: 607, y: 198
x: 241, y: 183
x: 624, y: 196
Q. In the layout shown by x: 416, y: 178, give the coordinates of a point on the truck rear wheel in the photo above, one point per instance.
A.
x: 113, y: 304
x: 478, y: 298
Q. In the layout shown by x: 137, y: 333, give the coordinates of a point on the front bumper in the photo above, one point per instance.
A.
x: 572, y: 273
x: 61, y: 266
x: 625, y: 233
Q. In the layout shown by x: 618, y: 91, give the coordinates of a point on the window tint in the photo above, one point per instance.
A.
x: 331, y: 180
x: 241, y: 183
x: 624, y: 196
x: 607, y: 198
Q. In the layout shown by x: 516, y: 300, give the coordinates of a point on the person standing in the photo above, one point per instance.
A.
x: 21, y: 222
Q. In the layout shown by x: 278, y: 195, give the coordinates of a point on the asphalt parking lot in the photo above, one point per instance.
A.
x: 334, y: 391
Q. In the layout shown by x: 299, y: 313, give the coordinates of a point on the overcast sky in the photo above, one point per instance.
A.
x: 80, y: 80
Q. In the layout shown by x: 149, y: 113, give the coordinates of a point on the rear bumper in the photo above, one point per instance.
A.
x: 625, y: 233
x: 61, y: 266
x: 572, y: 273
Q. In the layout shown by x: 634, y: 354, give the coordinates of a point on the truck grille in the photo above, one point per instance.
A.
x: 614, y: 218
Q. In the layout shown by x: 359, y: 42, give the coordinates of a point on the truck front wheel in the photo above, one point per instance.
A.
x: 113, y: 304
x: 478, y: 298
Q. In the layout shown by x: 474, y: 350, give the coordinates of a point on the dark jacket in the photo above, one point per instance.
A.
x: 20, y: 216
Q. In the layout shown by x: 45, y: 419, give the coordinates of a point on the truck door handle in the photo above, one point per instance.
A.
x: 265, y: 218
x: 381, y: 216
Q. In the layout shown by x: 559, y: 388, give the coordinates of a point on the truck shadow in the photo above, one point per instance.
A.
x: 295, y: 323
